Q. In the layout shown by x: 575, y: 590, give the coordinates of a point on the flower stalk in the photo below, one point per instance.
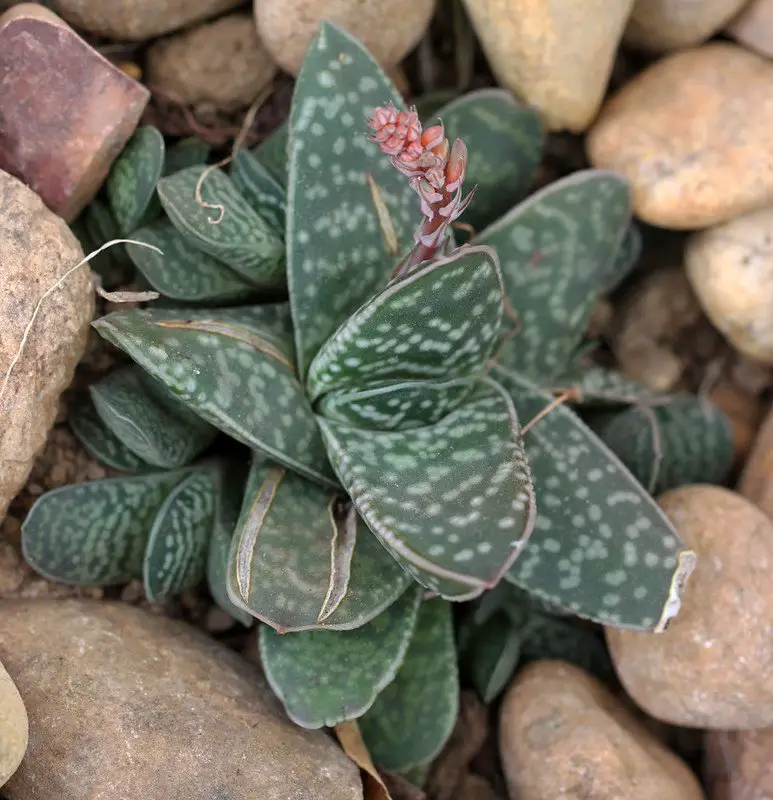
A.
x: 435, y: 169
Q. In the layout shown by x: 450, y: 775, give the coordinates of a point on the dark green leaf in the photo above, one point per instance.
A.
x: 131, y: 184
x: 94, y: 534
x: 452, y: 501
x: 429, y: 105
x: 210, y: 211
x: 413, y: 717
x: 504, y: 140
x: 441, y: 322
x: 675, y: 442
x: 176, y: 553
x: 186, y: 153
x: 601, y: 547
x: 142, y: 425
x: 555, y: 249
x: 182, y: 271
x: 250, y: 390
x: 272, y: 153
x: 336, y: 253
x: 396, y: 406
x: 98, y: 441
x: 297, y: 564
x: 597, y: 386
x: 229, y: 503
x: 113, y: 264
x: 260, y: 189
x: 626, y: 259
x: 327, y: 677
x: 492, y: 654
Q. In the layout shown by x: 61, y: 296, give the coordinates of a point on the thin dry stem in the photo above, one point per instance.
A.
x: 60, y: 281
x: 562, y: 398
x: 249, y: 118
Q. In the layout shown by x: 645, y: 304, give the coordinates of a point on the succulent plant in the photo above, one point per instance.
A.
x: 348, y: 423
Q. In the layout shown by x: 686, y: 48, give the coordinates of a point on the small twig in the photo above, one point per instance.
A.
x: 569, y: 394
x: 25, y: 337
x: 465, y: 226
x: 249, y: 118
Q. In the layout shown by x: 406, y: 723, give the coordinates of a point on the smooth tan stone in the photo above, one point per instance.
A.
x: 389, y: 30
x: 557, y: 55
x: 753, y: 27
x: 661, y: 25
x: 36, y: 250
x: 124, y: 704
x: 756, y: 482
x: 692, y: 134
x: 14, y: 728
x: 738, y: 765
x: 563, y: 734
x: 730, y: 268
x: 713, y: 666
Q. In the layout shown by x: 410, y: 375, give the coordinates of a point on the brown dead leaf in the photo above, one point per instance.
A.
x: 349, y: 736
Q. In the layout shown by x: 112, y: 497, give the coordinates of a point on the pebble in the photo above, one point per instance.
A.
x: 713, y: 667
x: 37, y: 249
x: 389, y: 30
x: 691, y: 133
x: 756, y: 481
x: 744, y: 409
x: 137, y: 20
x: 661, y: 25
x: 738, y: 765
x: 564, y: 734
x: 126, y: 704
x: 730, y: 267
x: 221, y: 64
x: 753, y: 27
x: 14, y: 729
x: 73, y: 111
x: 556, y: 55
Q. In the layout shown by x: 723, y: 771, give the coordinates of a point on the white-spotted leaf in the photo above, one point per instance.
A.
x: 260, y: 189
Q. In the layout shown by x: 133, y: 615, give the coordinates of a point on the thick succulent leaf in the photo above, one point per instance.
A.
x: 548, y: 637
x: 601, y: 547
x: 260, y: 189
x: 598, y: 386
x: 441, y: 321
x: 396, y: 407
x: 113, y: 263
x: 327, y: 677
x: 429, y: 105
x: 337, y: 256
x: 453, y: 501
x: 94, y: 534
x: 250, y: 390
x: 223, y: 225
x: 491, y: 655
x: 413, y: 717
x: 504, y: 140
x: 674, y: 442
x: 272, y: 153
x: 555, y: 249
x: 229, y: 503
x: 181, y: 270
x: 176, y: 553
x: 131, y: 184
x: 296, y: 565
x: 186, y: 153
x: 626, y: 259
x: 145, y: 427
x: 99, y: 442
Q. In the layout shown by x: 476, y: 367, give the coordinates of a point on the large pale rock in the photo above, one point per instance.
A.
x: 692, y: 134
x: 67, y: 111
x: 564, y: 734
x: 556, y: 54
x: 136, y: 20
x: 661, y: 25
x: 738, y: 765
x: 390, y: 30
x: 238, y: 67
x: 730, y: 267
x: 36, y: 249
x: 713, y: 666
x: 14, y: 727
x: 124, y: 704
x: 753, y: 27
